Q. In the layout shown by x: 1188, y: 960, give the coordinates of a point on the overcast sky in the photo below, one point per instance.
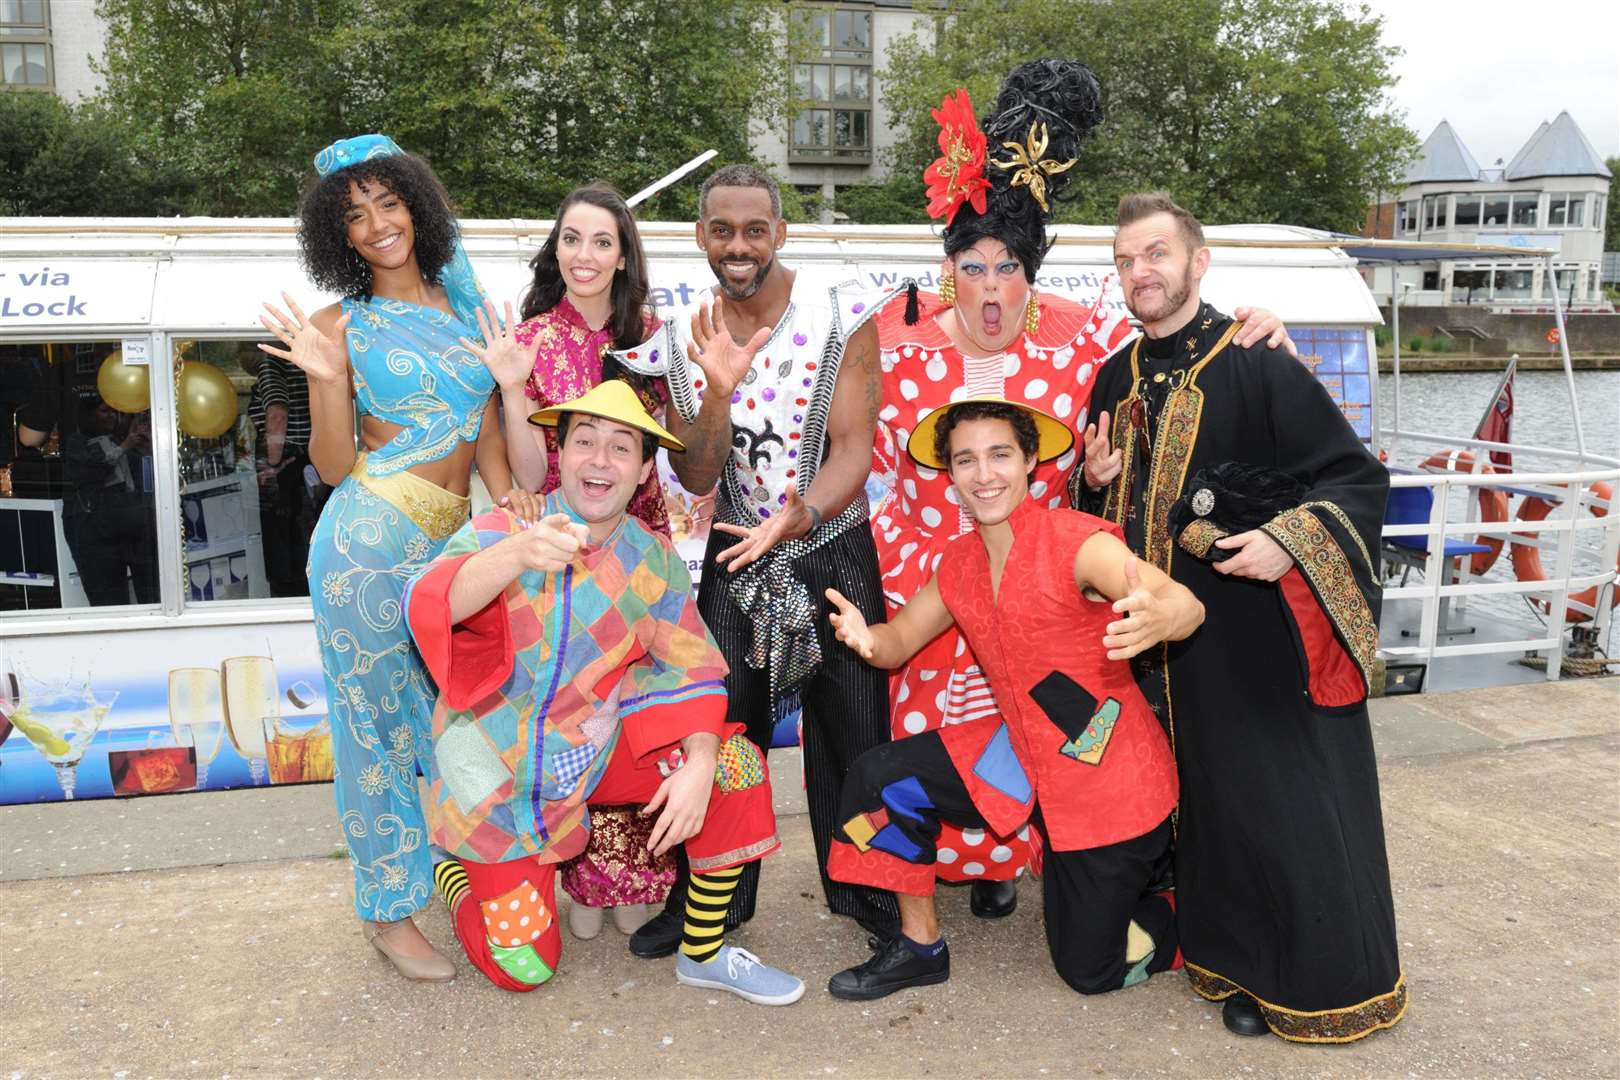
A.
x: 1496, y: 70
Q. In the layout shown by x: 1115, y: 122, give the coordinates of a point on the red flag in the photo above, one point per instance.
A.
x: 1497, y: 424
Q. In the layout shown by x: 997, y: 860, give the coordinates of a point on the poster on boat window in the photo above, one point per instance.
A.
x: 1337, y: 356
x: 156, y: 712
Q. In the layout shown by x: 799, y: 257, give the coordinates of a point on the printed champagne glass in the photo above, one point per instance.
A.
x: 196, y: 715
x: 250, y: 697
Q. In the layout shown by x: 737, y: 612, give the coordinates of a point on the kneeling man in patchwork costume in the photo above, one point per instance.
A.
x: 574, y: 669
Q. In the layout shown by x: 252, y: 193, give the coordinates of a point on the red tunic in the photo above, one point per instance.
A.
x: 1087, y: 746
x: 1052, y: 369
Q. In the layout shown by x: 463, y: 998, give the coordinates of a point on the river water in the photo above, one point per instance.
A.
x: 1452, y: 403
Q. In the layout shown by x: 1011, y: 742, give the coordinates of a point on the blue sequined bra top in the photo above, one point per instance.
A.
x: 411, y: 369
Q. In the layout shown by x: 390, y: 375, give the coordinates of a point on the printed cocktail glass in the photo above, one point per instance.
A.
x: 60, y: 724
x: 251, y: 697
x: 299, y: 748
x: 197, y: 715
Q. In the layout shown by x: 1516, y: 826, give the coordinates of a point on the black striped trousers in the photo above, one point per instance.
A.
x: 846, y: 711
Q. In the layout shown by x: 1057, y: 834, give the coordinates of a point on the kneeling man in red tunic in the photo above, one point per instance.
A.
x: 1054, y: 605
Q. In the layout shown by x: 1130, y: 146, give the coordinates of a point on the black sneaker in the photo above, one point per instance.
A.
x: 1241, y: 1015
x: 658, y: 937
x: 895, y: 967
x: 994, y: 899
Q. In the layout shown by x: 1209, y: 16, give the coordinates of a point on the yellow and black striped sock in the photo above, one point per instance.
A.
x: 451, y: 878
x: 707, y: 897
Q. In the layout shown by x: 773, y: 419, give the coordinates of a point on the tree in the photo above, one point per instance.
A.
x: 1611, y: 227
x: 59, y: 161
x: 1245, y: 110
x: 514, y: 102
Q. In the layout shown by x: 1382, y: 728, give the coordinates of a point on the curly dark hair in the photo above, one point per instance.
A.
x: 1029, y: 439
x: 1066, y: 97
x: 323, y: 238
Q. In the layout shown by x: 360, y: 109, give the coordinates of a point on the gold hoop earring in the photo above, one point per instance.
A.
x: 1032, y: 315
x: 947, y: 288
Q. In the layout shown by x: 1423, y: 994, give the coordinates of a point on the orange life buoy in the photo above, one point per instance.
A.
x: 1527, y: 559
x: 1493, y: 505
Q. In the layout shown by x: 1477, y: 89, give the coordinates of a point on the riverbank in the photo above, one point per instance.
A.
x: 203, y: 935
x: 1419, y: 364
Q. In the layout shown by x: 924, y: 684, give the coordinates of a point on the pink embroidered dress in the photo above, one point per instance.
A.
x: 1053, y: 370
x: 617, y: 868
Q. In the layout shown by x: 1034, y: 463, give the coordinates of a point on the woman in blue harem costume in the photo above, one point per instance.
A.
x: 376, y: 228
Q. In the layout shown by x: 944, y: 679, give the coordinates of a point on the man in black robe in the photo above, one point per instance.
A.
x: 1231, y: 469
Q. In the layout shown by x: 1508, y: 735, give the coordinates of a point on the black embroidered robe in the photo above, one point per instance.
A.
x: 1282, y: 879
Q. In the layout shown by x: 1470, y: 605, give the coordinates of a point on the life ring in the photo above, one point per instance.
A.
x: 1493, y: 505
x: 1527, y: 559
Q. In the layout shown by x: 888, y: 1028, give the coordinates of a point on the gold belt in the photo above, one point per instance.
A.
x: 437, y: 512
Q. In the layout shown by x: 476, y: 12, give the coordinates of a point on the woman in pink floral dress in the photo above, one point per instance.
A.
x: 590, y: 294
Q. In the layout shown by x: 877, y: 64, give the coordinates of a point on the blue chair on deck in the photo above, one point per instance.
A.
x: 1413, y: 506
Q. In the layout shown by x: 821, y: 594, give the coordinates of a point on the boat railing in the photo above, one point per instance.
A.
x: 1578, y: 513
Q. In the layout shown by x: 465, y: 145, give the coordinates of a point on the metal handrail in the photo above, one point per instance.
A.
x: 1571, y: 489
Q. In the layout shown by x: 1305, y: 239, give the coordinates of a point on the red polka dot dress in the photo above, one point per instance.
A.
x: 1053, y: 370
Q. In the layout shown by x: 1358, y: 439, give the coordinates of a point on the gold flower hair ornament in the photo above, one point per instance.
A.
x: 1030, y: 168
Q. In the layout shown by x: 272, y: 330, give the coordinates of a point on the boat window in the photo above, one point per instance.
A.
x: 248, y: 494
x: 77, y: 506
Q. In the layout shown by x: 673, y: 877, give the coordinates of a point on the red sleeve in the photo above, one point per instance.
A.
x: 1332, y: 678
x: 470, y: 660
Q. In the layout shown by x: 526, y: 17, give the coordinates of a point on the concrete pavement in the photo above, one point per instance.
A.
x: 211, y: 935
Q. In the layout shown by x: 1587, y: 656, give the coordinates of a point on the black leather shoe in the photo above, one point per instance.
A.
x: 658, y: 937
x: 994, y: 899
x: 894, y: 968
x: 1241, y: 1015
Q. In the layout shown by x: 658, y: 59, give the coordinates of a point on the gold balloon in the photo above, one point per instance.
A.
x: 207, y: 400
x: 125, y: 387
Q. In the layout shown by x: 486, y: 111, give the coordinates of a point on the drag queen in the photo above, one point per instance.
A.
x: 988, y: 331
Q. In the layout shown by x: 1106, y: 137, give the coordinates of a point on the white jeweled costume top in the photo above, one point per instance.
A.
x: 779, y: 415
x: 780, y: 409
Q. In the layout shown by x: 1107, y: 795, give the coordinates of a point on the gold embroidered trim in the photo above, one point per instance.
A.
x: 1322, y: 1026
x: 437, y: 512
x: 1324, y: 563
x: 1199, y: 536
x: 1118, y: 500
x: 1172, y: 451
x: 735, y: 855
x: 1344, y: 519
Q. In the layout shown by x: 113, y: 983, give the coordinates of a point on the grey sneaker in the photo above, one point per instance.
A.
x: 743, y: 974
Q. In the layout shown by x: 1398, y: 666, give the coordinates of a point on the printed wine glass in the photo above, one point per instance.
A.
x: 250, y: 697
x: 197, y: 715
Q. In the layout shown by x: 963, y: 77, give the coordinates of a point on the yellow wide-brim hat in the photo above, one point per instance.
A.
x: 1055, y: 436
x: 613, y: 400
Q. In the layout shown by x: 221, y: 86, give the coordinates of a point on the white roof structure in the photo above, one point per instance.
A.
x: 94, y: 275
x: 1442, y: 159
x: 1557, y: 149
